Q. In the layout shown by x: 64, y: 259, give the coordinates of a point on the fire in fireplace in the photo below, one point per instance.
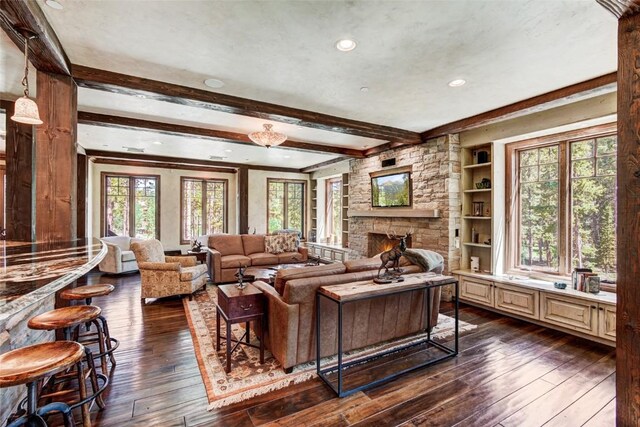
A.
x: 379, y: 242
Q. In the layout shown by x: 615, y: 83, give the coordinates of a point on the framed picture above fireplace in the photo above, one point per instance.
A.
x: 391, y: 190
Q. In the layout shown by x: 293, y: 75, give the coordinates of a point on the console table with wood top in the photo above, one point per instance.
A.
x: 358, y: 291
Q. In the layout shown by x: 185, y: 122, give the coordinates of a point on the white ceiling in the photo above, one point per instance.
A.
x: 283, y: 52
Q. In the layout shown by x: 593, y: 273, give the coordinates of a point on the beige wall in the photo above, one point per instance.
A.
x: 258, y: 197
x: 169, y: 198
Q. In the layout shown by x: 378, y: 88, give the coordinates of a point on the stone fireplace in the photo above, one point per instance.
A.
x: 379, y: 242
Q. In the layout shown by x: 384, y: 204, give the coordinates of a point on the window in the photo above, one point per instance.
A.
x: 131, y: 206
x: 333, y: 215
x: 563, y: 203
x: 285, y: 205
x: 203, y: 208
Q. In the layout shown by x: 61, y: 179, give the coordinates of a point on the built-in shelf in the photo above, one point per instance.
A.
x: 478, y: 190
x: 477, y: 165
x: 397, y: 213
x: 476, y: 217
x: 477, y: 245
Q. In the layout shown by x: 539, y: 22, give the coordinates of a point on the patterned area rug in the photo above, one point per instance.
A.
x: 248, y: 378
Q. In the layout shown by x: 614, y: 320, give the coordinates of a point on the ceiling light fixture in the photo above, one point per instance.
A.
x: 26, y: 109
x: 457, y: 82
x: 53, y: 4
x: 214, y: 83
x: 228, y: 150
x: 346, y: 45
x: 364, y: 89
x: 267, y: 137
x: 287, y: 157
x: 157, y: 143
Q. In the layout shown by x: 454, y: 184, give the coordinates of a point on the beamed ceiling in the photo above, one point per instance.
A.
x: 283, y: 53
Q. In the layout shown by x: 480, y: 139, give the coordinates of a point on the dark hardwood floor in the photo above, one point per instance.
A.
x: 509, y: 373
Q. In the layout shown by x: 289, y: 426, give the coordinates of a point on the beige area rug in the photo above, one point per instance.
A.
x: 248, y: 378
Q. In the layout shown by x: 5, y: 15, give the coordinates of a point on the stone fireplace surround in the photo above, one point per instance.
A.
x: 379, y: 242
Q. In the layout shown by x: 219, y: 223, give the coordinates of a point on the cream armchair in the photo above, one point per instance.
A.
x: 163, y: 276
x: 119, y: 258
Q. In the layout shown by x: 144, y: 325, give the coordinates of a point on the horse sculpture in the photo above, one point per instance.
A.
x: 393, y: 255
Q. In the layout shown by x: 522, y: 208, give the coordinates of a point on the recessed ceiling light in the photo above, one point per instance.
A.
x: 157, y: 143
x: 364, y: 89
x: 346, y: 45
x: 53, y: 4
x: 228, y: 150
x: 214, y: 83
x: 287, y: 157
x: 457, y: 82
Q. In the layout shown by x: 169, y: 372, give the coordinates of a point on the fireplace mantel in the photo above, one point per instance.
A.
x: 395, y: 213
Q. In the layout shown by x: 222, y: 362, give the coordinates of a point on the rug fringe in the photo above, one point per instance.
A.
x: 248, y: 394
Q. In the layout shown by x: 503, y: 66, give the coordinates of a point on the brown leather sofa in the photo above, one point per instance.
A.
x: 227, y: 252
x: 291, y: 312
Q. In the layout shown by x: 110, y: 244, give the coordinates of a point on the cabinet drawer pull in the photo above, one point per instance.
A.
x: 247, y: 308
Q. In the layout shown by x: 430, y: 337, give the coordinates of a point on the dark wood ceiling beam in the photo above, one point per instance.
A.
x: 161, y: 165
x: 162, y: 91
x: 621, y: 8
x: 45, y: 51
x: 320, y: 165
x: 178, y: 162
x: 606, y: 83
x: 96, y: 119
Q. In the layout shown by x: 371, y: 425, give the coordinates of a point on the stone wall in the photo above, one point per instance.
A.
x: 436, y: 185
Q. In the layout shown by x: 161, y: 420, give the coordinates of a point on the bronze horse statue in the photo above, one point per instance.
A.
x: 393, y: 255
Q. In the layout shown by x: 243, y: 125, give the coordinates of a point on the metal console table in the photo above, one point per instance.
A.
x: 360, y: 291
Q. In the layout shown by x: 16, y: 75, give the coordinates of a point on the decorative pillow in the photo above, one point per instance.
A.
x: 290, y: 242
x: 274, y: 244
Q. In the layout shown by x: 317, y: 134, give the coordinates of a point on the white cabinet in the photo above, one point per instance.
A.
x: 572, y: 313
x: 517, y: 300
x: 607, y: 321
x: 477, y: 290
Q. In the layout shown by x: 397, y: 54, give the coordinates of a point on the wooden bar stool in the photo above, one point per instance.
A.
x: 69, y: 319
x: 28, y: 365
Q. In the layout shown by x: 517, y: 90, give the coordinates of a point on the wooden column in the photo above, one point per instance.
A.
x: 82, y: 195
x: 19, y: 173
x: 243, y: 199
x: 56, y: 158
x: 628, y: 229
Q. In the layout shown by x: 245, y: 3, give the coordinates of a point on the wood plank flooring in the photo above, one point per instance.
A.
x: 509, y: 373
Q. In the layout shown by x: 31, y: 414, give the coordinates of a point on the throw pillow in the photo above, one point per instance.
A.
x: 290, y: 242
x: 274, y: 244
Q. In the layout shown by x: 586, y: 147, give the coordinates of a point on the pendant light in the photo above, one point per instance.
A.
x: 25, y: 109
x: 268, y: 137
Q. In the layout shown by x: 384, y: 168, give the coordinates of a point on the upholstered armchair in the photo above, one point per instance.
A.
x: 163, y: 276
x: 119, y: 258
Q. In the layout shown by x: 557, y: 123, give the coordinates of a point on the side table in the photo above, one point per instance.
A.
x: 200, y: 256
x: 240, y: 306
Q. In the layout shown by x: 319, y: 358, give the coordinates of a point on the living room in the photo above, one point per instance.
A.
x: 221, y: 214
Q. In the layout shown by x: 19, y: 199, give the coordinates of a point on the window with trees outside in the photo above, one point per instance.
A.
x: 285, y: 205
x: 563, y: 198
x: 203, y: 207
x: 333, y: 214
x: 131, y: 206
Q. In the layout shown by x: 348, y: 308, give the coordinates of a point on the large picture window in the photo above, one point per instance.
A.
x: 131, y: 206
x: 203, y: 207
x: 563, y: 203
x: 333, y: 214
x: 285, y: 205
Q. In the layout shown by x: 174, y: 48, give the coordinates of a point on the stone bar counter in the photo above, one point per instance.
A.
x: 30, y: 276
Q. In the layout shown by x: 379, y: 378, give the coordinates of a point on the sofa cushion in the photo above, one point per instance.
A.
x: 285, y: 274
x: 190, y: 273
x: 234, y: 261
x: 289, y: 257
x: 289, y: 242
x: 227, y: 244
x: 253, y: 243
x: 263, y: 259
x: 274, y: 244
x: 122, y: 242
x: 127, y: 256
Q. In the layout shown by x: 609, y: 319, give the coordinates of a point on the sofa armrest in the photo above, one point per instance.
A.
x: 184, y: 261
x: 304, y: 252
x: 162, y: 266
x: 112, y: 262
x: 282, y: 326
x: 214, y: 265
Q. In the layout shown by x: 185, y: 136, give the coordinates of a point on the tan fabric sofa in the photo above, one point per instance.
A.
x: 227, y: 252
x: 163, y: 276
x: 120, y: 257
x: 291, y: 315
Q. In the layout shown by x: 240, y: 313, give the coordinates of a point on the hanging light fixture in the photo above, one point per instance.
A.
x: 267, y: 137
x: 25, y: 109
